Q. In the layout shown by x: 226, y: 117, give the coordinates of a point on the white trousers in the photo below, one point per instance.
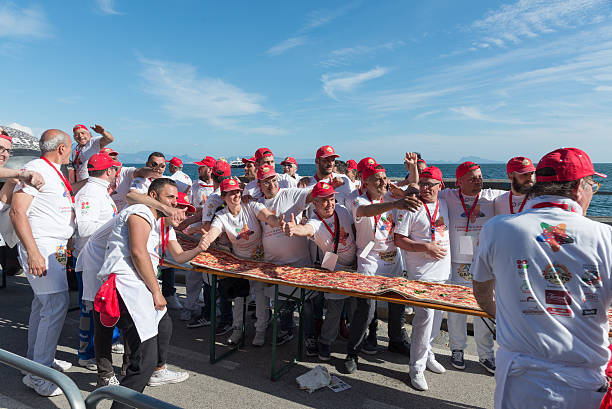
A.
x: 262, y: 305
x: 45, y: 326
x: 425, y: 328
x: 539, y: 389
x: 193, y: 286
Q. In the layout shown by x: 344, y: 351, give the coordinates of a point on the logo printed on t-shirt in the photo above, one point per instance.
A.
x: 590, y: 276
x: 556, y: 274
x: 475, y: 214
x: 244, y: 233
x: 521, y: 267
x: 343, y: 236
x: 61, y: 254
x: 440, y: 226
x: 555, y: 236
x: 556, y: 297
x: 562, y: 312
x: 386, y: 223
x: 589, y: 312
x: 464, y: 272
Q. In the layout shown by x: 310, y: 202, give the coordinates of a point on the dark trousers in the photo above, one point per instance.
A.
x: 225, y: 306
x: 397, y: 321
x: 167, y: 279
x: 144, y: 356
x: 313, y: 310
x: 361, y: 319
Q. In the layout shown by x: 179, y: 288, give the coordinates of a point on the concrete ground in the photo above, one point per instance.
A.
x: 242, y: 380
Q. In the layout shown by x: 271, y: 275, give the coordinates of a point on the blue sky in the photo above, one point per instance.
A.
x: 373, y: 78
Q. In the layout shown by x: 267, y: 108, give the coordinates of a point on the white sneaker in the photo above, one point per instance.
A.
x: 236, y: 337
x: 118, y: 348
x: 185, y: 315
x: 259, y: 339
x: 166, y: 376
x: 90, y: 364
x: 41, y: 386
x: 417, y: 379
x: 60, y: 365
x: 173, y: 303
x: 434, y: 366
x: 111, y: 381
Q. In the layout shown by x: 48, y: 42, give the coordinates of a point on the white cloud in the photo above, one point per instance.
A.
x: 286, y: 45
x: 344, y: 82
x: 70, y: 100
x: 187, y: 96
x: 470, y: 112
x: 23, y: 22
x: 322, y: 17
x: 532, y: 18
x: 406, y: 100
x: 345, y: 56
x: 107, y: 6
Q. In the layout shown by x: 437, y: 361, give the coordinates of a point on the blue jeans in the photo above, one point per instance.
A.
x: 86, y: 325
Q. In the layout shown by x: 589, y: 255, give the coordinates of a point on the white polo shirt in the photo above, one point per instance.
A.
x: 183, y: 182
x: 502, y: 203
x: 417, y: 227
x: 243, y: 230
x: 553, y: 287
x: 82, y: 155
x: 199, y: 192
x: 123, y: 182
x: 93, y: 208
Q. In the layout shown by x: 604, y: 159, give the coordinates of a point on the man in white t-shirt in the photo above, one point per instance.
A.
x: 138, y: 243
x: 175, y: 167
x: 521, y: 172
x: 546, y: 272
x: 422, y: 237
x: 85, y: 148
x: 332, y: 232
x: 264, y: 156
x: 469, y: 208
x: 290, y: 167
x: 44, y: 221
x: 374, y: 216
x: 325, y: 159
x: 250, y: 170
x: 93, y: 208
x: 203, y: 188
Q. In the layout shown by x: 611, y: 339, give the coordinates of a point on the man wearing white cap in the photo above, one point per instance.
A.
x: 175, y: 167
x: 86, y: 147
x: 521, y: 172
x: 545, y: 274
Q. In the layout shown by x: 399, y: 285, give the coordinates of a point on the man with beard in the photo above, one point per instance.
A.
x: 469, y: 208
x: 265, y: 157
x: 200, y: 191
x: 325, y: 160
x: 250, y: 171
x: 86, y: 147
x: 521, y: 173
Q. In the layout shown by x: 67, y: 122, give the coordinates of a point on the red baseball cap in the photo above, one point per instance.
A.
x: 371, y: 170
x: 322, y: 189
x: 227, y: 185
x: 432, y: 172
x: 265, y: 172
x: 248, y: 160
x: 183, y: 202
x: 289, y: 161
x: 464, y: 168
x: 567, y: 164
x: 520, y: 164
x: 366, y: 162
x: 325, y: 152
x: 106, y: 302
x: 79, y: 126
x: 207, y: 161
x: 176, y: 162
x: 109, y: 151
x: 101, y: 161
x: 422, y: 161
x: 262, y: 153
x: 351, y: 164
x: 222, y: 168
x: 5, y: 135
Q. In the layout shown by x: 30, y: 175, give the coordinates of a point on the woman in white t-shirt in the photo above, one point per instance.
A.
x: 241, y: 224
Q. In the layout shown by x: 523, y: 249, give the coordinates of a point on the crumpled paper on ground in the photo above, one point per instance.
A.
x: 317, y: 378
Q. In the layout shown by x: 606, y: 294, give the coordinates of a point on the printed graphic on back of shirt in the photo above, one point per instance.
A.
x: 556, y: 274
x: 555, y: 236
x: 85, y: 208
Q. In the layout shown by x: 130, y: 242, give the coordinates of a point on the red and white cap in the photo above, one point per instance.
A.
x: 222, y: 168
x: 248, y: 160
x: 5, y: 135
x: 371, y: 170
x: 322, y: 189
x: 265, y: 172
x: 289, y: 161
x: 566, y: 165
x: 432, y: 172
x: 465, y: 167
x: 176, y: 162
x: 325, y: 152
x: 106, y: 302
x: 110, y: 152
x: 366, y: 162
x: 351, y: 164
x: 263, y: 153
x: 101, y: 161
x: 227, y: 185
x: 184, y: 203
x: 79, y: 126
x: 207, y: 161
x: 520, y: 164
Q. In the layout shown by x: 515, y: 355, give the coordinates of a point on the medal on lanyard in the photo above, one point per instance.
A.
x: 512, y: 206
x: 432, y: 219
x: 468, y: 215
x: 67, y: 185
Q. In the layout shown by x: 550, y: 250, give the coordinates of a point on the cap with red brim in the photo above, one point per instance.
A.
x: 289, y: 161
x: 465, y: 167
x: 227, y: 185
x: 520, y: 164
x: 326, y: 151
x: 101, y: 161
x: 322, y: 189
x: 371, y: 170
x: 248, y: 160
x: 176, y: 162
x: 207, y: 161
x: 106, y: 302
x: 566, y: 165
x: 183, y: 202
x: 265, y: 172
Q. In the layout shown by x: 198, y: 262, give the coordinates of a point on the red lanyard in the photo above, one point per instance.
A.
x: 65, y: 181
x: 563, y: 206
x: 75, y: 161
x: 165, y: 236
x: 327, y: 227
x: 512, y: 206
x: 376, y: 218
x: 433, y: 219
x: 330, y: 178
x: 201, y: 185
x: 468, y: 215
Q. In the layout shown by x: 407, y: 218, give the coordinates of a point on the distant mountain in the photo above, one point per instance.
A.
x: 476, y: 159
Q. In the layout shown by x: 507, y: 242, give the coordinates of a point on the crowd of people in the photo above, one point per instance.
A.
x: 535, y: 262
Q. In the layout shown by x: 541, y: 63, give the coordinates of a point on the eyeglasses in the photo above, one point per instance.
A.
x: 269, y: 182
x: 3, y: 150
x: 158, y: 165
x: 428, y: 185
x: 594, y: 186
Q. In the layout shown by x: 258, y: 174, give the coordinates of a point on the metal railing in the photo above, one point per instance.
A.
x: 73, y: 394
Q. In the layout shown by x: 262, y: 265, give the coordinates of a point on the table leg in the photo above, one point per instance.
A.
x: 213, y: 317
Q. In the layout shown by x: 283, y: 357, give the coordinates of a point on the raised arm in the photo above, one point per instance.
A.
x: 106, y: 136
x: 176, y: 214
x: 270, y: 218
x: 21, y: 203
x: 291, y: 228
x: 407, y: 203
